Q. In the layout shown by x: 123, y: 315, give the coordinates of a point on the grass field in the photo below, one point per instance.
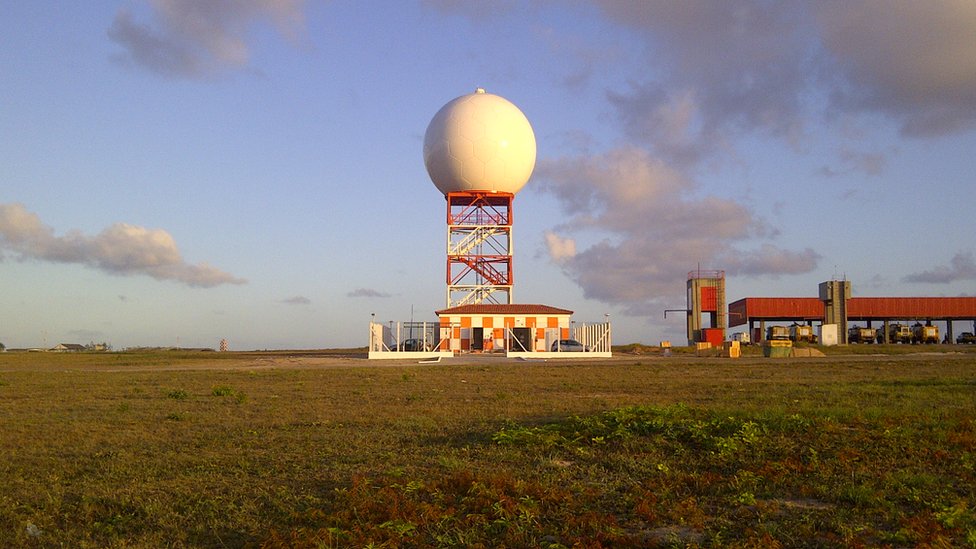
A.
x: 317, y: 450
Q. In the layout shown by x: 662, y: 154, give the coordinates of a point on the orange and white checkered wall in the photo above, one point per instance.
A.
x: 456, y: 331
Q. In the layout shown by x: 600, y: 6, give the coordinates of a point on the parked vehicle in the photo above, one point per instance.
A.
x: 802, y: 332
x: 925, y: 334
x: 860, y: 334
x: 897, y: 333
x: 966, y: 338
x: 567, y: 345
x: 413, y: 344
x: 777, y: 333
x: 742, y: 338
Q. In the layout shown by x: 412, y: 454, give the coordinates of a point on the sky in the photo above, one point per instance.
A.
x: 177, y: 172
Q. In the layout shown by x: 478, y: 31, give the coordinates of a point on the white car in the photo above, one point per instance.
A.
x: 567, y: 345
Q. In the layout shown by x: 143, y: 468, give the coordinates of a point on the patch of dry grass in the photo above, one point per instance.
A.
x: 232, y: 449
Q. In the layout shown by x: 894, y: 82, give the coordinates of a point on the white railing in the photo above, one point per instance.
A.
x: 473, y: 239
x: 406, y: 340
x: 595, y: 339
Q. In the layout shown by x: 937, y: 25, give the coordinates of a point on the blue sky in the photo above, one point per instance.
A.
x: 174, y: 172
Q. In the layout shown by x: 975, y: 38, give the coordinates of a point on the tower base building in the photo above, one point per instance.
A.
x: 706, y: 295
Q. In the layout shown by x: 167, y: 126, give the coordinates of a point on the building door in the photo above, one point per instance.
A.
x: 477, y: 339
x: 521, y: 340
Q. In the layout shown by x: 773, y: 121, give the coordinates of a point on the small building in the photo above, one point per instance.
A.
x: 491, y: 327
x: 68, y: 348
x: 518, y: 330
x: 513, y: 330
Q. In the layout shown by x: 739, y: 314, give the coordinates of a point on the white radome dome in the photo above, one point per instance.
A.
x: 479, y: 142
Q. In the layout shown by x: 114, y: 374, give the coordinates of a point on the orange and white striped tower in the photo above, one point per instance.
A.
x: 479, y: 150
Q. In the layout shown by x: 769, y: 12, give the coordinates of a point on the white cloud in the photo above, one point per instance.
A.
x: 627, y: 190
x: 192, y: 39
x: 723, y: 67
x: 850, y: 161
x: 913, y: 61
x: 657, y: 229
x: 719, y: 68
x: 718, y: 72
x: 962, y: 266
x: 768, y: 260
x: 121, y: 249
x: 560, y: 249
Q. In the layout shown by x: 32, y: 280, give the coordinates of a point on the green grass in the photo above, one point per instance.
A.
x: 280, y: 450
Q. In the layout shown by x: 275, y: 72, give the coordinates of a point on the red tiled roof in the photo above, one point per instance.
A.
x: 503, y: 309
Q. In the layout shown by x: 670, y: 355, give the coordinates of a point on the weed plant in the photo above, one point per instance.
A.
x: 633, y: 452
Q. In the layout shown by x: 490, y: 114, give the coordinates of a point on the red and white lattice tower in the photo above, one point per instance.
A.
x: 479, y: 150
x: 479, y: 248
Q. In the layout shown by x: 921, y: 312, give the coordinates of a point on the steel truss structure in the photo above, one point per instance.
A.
x: 479, y: 248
